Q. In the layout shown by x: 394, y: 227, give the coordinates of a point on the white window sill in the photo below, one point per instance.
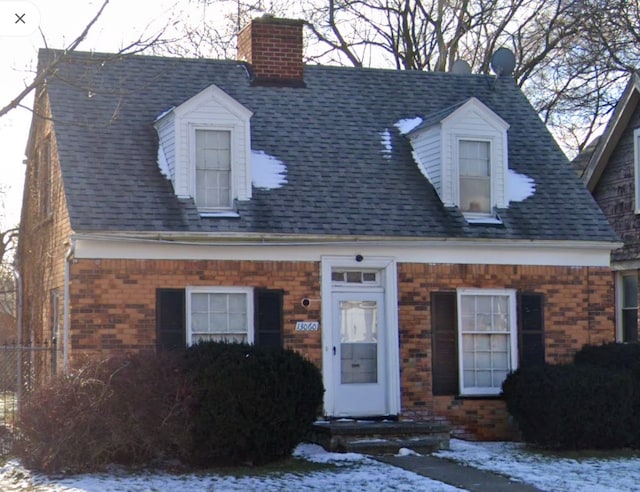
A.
x: 219, y: 214
x: 482, y: 220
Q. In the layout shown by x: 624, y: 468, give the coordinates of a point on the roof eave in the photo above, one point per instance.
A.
x: 300, y: 239
x: 613, y: 131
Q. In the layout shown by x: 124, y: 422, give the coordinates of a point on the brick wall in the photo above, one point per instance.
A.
x: 44, y: 230
x: 113, y: 304
x: 273, y: 48
x: 579, y: 309
x: 113, y: 301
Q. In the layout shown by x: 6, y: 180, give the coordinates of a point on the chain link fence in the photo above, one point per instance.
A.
x: 22, y: 369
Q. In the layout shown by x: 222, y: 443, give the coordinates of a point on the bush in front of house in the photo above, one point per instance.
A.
x: 128, y: 410
x: 252, y: 405
x: 621, y: 358
x: 571, y: 406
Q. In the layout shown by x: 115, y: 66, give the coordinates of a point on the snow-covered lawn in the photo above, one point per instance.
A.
x: 355, y: 472
x: 554, y: 472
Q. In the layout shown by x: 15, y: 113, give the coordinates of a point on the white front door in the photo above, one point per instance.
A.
x: 358, y: 353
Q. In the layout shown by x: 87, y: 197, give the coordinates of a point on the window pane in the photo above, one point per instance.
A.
x: 475, y: 195
x: 369, y: 277
x: 468, y: 305
x: 237, y: 322
x: 337, y: 276
x: 218, y: 303
x: 486, y: 353
x: 218, y: 314
x: 200, y: 322
x: 199, y: 303
x: 630, y: 290
x: 499, y: 343
x: 482, y: 342
x: 475, y: 176
x: 467, y: 343
x: 237, y: 303
x: 498, y: 378
x: 354, y: 277
x: 218, y: 323
x: 483, y: 379
x: 483, y: 360
x: 213, y: 168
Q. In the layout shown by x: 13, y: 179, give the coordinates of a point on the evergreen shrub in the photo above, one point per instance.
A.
x: 571, y: 406
x: 622, y: 358
x: 252, y: 405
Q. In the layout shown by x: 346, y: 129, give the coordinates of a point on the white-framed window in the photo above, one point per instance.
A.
x: 474, y: 168
x: 627, y: 306
x: 636, y: 168
x: 351, y: 277
x: 213, y: 178
x: 487, y: 339
x: 219, y: 314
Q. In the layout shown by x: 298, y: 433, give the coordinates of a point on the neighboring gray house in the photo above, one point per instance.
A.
x: 610, y: 167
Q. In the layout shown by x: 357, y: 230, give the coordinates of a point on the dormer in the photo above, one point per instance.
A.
x: 205, y: 150
x: 463, y: 150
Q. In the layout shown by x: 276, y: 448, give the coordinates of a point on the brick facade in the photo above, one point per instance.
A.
x: 113, y: 307
x: 44, y: 232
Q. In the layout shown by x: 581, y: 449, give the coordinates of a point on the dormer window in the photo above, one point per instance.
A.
x: 475, y: 176
x: 213, y: 169
x: 204, y: 148
x: 463, y: 151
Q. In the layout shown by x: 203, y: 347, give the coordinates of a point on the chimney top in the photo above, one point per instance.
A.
x: 273, y: 48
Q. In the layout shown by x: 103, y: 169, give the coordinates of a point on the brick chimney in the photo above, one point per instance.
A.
x: 273, y: 49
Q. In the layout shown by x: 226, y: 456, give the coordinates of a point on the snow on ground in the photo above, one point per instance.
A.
x: 350, y: 473
x: 603, y: 472
x: 553, y: 472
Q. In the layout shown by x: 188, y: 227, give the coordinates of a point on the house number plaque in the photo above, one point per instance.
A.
x: 307, y: 325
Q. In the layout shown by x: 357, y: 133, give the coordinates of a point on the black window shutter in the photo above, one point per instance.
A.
x: 170, y: 319
x: 268, y: 317
x: 531, y: 329
x: 444, y: 342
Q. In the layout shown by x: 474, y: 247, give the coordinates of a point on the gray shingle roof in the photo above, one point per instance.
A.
x: 341, y: 180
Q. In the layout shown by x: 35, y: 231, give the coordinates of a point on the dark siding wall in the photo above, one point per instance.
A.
x: 615, y: 194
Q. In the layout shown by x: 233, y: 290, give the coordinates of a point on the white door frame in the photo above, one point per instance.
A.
x: 389, y: 282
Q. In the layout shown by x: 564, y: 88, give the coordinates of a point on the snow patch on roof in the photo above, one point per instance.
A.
x: 407, y: 124
x: 385, y: 139
x: 268, y: 172
x: 164, y: 113
x: 519, y: 186
x: 163, y: 163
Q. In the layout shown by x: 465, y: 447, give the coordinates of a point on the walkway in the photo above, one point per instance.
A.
x: 458, y: 475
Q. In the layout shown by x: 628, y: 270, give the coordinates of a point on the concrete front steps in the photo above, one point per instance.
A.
x: 380, y: 437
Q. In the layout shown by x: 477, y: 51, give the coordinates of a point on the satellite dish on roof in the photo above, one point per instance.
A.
x: 503, y: 62
x: 461, y: 67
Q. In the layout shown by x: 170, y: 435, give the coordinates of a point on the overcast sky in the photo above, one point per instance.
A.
x: 60, y: 22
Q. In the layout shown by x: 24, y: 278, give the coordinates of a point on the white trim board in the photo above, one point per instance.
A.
x: 436, y: 252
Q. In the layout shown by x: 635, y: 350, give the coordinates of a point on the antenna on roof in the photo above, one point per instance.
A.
x: 503, y: 62
x: 461, y: 67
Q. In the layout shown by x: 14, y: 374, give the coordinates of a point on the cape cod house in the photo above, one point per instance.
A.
x: 610, y: 168
x: 417, y: 235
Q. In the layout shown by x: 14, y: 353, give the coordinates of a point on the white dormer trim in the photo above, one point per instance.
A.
x: 436, y: 147
x: 210, y: 109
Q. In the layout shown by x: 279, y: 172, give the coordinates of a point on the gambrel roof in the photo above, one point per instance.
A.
x: 349, y: 170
